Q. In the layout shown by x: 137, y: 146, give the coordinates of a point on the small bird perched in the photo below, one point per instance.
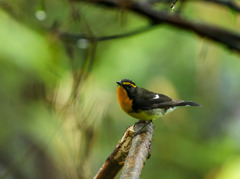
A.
x: 143, y: 104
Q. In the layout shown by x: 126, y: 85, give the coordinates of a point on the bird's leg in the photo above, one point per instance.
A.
x: 141, y: 129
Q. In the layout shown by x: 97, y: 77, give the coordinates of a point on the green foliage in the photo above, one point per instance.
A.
x: 59, y: 116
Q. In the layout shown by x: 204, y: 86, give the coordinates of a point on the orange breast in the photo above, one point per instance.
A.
x: 124, y: 101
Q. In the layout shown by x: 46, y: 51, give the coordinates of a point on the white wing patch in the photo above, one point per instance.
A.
x: 156, y: 96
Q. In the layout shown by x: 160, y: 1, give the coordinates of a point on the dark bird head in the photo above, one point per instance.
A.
x: 129, y: 86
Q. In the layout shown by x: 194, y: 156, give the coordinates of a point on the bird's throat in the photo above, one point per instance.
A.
x: 124, y: 101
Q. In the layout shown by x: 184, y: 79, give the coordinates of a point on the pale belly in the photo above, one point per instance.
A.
x: 151, y: 114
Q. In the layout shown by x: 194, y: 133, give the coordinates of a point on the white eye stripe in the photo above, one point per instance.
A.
x: 156, y: 96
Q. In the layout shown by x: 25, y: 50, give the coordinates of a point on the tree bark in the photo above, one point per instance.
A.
x: 139, y: 151
x: 116, y: 159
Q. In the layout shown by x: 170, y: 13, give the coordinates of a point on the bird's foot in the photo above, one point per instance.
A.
x: 141, y: 130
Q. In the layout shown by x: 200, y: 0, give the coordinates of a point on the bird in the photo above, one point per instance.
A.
x: 146, y: 105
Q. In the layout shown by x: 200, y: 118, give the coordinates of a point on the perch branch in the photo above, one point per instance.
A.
x: 139, y: 151
x: 116, y: 159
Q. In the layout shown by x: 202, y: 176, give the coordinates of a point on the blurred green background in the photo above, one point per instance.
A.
x: 59, y: 113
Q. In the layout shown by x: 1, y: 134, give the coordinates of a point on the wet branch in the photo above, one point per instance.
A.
x: 173, y: 3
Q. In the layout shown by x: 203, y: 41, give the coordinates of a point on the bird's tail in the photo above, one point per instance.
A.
x: 187, y: 103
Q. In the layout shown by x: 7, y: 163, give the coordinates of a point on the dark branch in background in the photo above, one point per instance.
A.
x: 218, y: 34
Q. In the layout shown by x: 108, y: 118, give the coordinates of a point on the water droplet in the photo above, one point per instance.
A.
x: 41, y: 15
x: 82, y: 43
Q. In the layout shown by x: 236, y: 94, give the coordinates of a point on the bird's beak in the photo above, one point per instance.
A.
x: 119, y: 83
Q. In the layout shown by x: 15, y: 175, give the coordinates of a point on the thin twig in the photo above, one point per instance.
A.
x: 74, y: 37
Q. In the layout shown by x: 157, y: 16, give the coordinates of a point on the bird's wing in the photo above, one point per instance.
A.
x: 150, y: 100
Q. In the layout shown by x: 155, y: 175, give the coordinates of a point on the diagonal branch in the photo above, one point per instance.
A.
x: 229, y: 38
x: 218, y: 34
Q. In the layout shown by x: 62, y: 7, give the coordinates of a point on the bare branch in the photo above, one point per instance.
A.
x: 117, y: 158
x: 139, y: 151
x: 218, y: 34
